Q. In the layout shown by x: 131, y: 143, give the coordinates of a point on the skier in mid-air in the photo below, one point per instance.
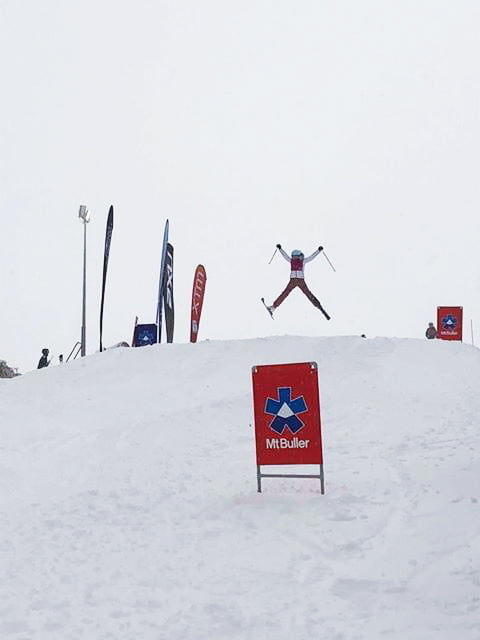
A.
x: 297, y: 279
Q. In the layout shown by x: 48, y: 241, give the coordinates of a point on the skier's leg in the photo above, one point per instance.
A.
x: 309, y: 294
x: 292, y: 283
x: 312, y: 298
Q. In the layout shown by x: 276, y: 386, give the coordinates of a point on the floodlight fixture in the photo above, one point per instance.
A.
x: 84, y: 213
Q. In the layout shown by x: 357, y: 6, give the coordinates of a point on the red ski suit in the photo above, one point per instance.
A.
x: 297, y: 278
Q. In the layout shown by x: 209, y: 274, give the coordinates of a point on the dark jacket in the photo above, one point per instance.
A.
x: 43, y: 362
x: 431, y: 333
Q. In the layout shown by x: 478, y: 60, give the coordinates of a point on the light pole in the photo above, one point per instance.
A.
x: 84, y: 215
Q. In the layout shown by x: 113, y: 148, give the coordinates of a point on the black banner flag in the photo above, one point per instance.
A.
x: 161, y: 282
x: 168, y: 293
x: 108, y: 239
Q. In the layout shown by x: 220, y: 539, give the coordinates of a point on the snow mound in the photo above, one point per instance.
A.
x: 129, y: 510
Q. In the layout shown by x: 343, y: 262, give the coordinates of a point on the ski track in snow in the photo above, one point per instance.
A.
x: 129, y: 506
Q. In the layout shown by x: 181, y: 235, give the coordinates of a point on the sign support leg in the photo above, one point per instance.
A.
x: 322, y: 480
x: 259, y: 479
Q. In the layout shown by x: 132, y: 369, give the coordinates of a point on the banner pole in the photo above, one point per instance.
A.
x: 134, y: 327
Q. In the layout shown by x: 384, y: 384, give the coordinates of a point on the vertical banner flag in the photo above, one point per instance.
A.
x: 198, y: 293
x: 134, y: 327
x: 286, y: 405
x: 160, y: 283
x: 450, y: 323
x: 108, y: 239
x: 168, y: 294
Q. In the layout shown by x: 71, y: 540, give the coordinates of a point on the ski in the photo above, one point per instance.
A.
x: 266, y: 307
x: 324, y: 312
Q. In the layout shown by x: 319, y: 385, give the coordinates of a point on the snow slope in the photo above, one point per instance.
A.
x: 128, y: 503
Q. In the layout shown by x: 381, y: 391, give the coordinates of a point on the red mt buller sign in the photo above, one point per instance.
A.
x: 449, y: 323
x: 287, y: 417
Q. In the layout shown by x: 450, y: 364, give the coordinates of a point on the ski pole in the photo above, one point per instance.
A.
x: 272, y: 256
x: 326, y: 258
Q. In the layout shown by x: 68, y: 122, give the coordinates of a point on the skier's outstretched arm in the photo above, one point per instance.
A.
x: 284, y: 253
x: 314, y: 255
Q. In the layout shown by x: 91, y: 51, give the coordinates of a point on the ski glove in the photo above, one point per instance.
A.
x: 320, y: 248
x: 279, y: 246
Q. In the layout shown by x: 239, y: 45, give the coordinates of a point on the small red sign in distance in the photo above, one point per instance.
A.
x: 450, y: 323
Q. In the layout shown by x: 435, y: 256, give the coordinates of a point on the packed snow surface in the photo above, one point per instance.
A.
x: 129, y: 509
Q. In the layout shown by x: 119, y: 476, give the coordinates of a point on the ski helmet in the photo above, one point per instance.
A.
x: 297, y: 253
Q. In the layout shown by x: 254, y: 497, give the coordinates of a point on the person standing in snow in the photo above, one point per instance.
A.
x: 431, y: 332
x: 44, y: 361
x: 297, y: 261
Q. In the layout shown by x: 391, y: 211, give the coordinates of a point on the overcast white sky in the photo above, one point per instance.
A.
x: 352, y: 124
